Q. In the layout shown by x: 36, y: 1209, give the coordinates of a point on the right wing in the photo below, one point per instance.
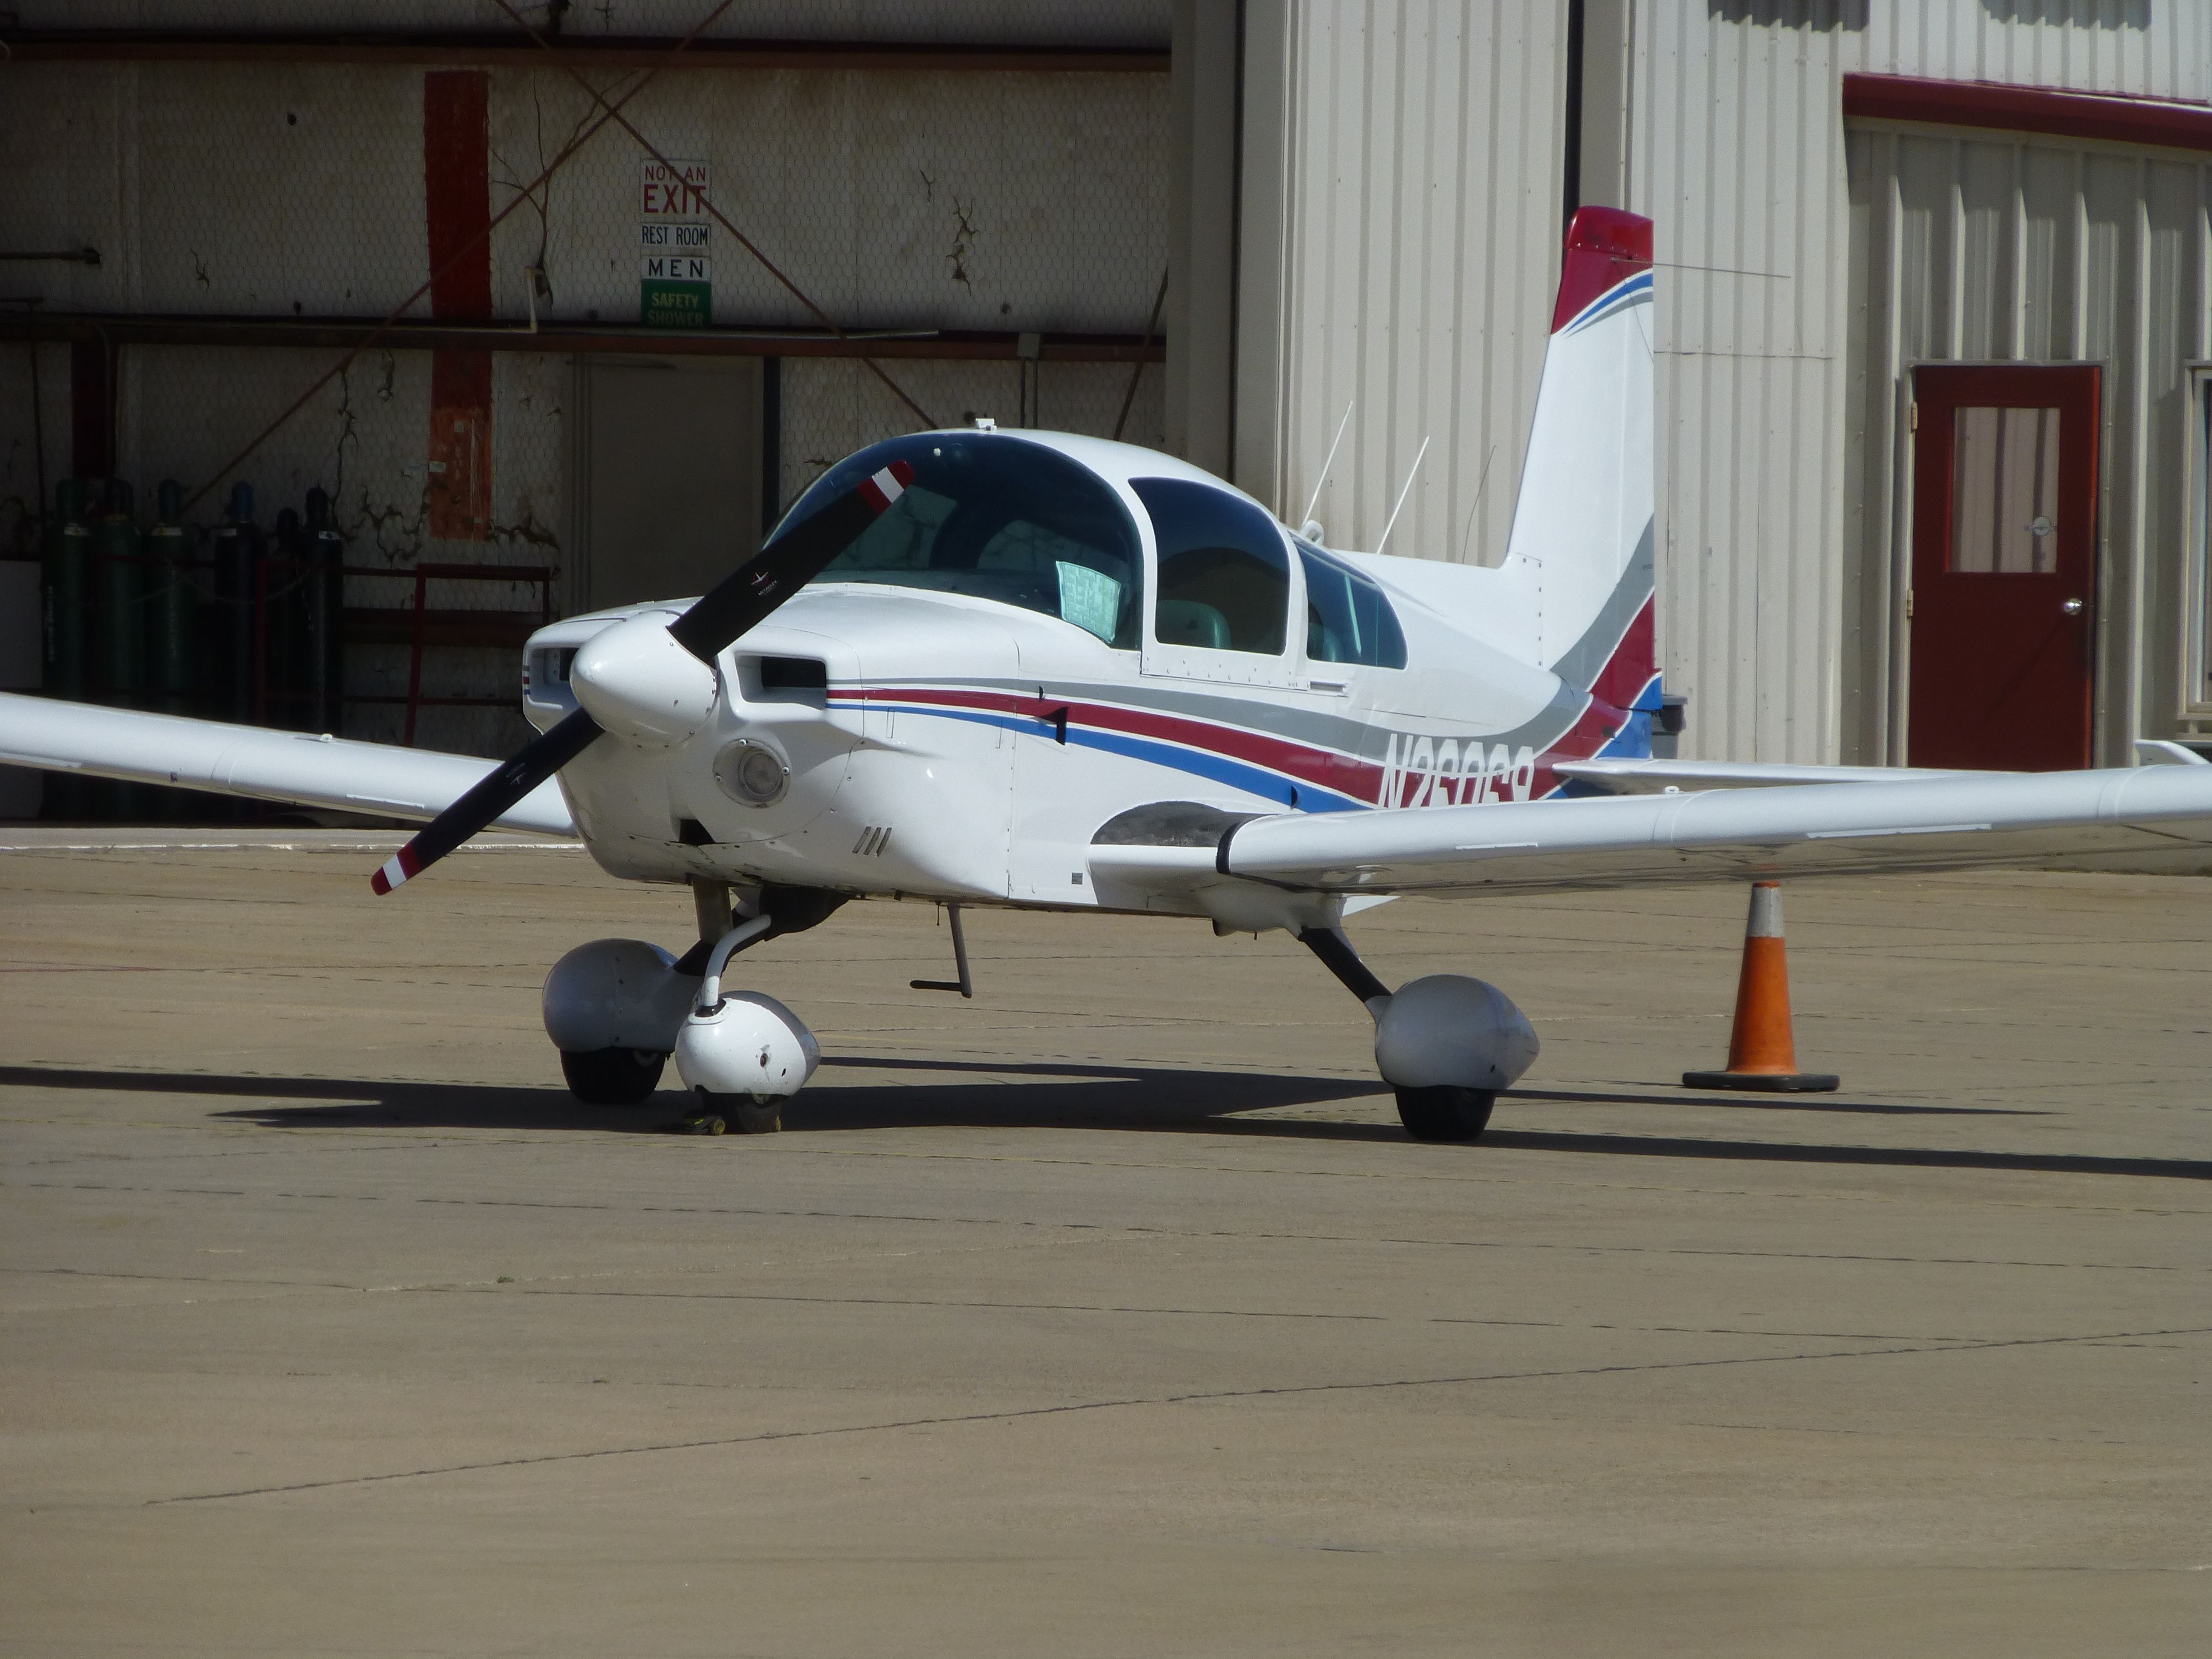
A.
x: 2150, y: 815
x: 290, y: 767
x: 1656, y: 777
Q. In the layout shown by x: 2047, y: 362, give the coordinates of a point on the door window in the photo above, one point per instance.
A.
x: 1224, y: 579
x: 1347, y: 618
x: 2004, y: 492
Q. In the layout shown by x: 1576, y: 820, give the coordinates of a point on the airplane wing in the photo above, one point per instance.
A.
x: 379, y: 779
x: 2143, y: 817
x: 1654, y: 777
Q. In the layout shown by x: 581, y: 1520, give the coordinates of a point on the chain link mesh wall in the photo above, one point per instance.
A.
x: 1040, y: 22
x: 993, y: 201
x: 1002, y: 202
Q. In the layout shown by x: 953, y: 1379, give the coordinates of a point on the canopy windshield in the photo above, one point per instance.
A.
x: 995, y: 517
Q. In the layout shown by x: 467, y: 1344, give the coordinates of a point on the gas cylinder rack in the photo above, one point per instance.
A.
x: 252, y: 630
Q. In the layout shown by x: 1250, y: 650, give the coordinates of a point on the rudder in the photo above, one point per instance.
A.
x: 1581, y: 548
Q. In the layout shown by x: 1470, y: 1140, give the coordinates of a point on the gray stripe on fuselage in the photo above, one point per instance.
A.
x: 1587, y: 657
x: 1368, y: 741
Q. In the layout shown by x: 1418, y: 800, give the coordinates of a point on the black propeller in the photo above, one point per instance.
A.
x: 739, y: 602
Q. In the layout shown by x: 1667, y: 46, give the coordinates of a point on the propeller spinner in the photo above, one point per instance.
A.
x: 637, y: 686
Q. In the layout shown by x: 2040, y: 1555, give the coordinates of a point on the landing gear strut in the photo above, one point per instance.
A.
x: 1445, y: 1044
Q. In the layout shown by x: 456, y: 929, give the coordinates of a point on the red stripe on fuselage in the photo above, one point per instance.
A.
x: 1347, y: 775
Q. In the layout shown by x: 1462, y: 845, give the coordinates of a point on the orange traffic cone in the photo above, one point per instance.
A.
x: 1762, y: 1055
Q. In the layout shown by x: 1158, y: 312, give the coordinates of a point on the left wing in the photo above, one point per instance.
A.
x: 2145, y: 817
x: 379, y: 779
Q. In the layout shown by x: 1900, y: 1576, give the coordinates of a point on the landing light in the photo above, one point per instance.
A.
x: 751, y: 773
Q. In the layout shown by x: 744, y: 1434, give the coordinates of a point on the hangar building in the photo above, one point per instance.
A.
x: 1934, y: 321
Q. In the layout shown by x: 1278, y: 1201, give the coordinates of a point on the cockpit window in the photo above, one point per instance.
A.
x: 992, y: 515
x: 1224, y: 579
x: 1347, y: 618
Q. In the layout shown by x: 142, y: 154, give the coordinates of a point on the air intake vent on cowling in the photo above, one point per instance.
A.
x: 794, y: 674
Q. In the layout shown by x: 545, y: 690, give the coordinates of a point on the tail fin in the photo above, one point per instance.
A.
x: 1581, y: 546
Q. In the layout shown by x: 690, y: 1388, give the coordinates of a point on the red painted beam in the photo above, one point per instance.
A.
x: 456, y: 193
x: 2028, y: 109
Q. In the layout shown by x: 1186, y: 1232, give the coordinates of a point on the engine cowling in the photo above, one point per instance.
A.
x: 750, y: 1044
x: 617, y: 994
x: 1449, y: 1029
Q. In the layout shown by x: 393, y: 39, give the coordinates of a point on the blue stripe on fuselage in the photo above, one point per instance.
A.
x: 1295, y: 793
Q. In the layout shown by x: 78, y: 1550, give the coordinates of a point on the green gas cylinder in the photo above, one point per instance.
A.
x: 65, y: 597
x: 326, y: 615
x: 119, y: 587
x: 284, y: 623
x: 173, y: 604
x: 232, y: 658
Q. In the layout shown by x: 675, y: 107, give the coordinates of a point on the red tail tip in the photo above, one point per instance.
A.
x: 1604, y: 246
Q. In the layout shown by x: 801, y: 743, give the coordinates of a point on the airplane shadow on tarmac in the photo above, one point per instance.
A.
x: 1065, y: 1096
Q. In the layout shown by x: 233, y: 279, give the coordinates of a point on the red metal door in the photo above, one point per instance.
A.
x: 2004, y: 567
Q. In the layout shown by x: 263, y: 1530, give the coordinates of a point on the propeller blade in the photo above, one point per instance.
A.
x: 538, y: 761
x: 739, y: 602
x: 745, y: 597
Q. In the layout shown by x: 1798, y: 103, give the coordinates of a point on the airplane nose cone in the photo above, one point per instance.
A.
x: 638, y: 683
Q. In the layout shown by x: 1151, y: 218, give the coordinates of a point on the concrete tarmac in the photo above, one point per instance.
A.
x: 1109, y: 1313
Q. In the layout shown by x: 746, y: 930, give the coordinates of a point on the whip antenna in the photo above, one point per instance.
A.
x: 1330, y: 462
x: 1402, y: 493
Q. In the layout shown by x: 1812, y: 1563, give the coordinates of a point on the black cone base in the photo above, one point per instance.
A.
x: 1764, y: 1083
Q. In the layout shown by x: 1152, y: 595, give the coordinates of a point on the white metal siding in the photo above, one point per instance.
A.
x: 1984, y: 248
x: 2144, y: 48
x: 1734, y: 151
x: 1420, y: 158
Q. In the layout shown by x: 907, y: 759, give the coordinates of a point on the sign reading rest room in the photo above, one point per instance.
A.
x: 676, y: 268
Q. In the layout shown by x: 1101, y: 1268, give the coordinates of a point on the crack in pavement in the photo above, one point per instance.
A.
x: 1198, y: 1397
x: 1138, y: 1232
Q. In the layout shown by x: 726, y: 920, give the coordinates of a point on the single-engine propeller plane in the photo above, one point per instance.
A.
x: 1034, y: 668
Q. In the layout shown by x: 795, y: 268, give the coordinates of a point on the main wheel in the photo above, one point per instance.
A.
x: 1446, y: 1112
x: 612, y: 1077
x: 746, y: 1114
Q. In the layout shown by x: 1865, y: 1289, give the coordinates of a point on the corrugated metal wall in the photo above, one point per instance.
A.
x: 1734, y: 150
x: 1980, y: 247
x: 2146, y: 48
x: 1735, y: 147
x: 1401, y: 254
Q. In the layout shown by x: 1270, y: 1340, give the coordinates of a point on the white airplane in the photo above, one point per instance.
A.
x: 1043, y: 671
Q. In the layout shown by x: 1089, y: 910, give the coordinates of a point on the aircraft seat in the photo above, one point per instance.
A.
x: 1188, y: 622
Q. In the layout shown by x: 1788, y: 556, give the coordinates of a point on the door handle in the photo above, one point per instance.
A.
x: 2072, y: 607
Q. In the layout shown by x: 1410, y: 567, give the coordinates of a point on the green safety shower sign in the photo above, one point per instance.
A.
x: 676, y: 267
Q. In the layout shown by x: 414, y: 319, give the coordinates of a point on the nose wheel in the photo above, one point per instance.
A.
x: 1445, y: 1114
x: 613, y: 1076
x: 721, y: 1114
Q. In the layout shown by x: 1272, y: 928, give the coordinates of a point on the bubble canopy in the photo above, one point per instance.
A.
x: 995, y: 517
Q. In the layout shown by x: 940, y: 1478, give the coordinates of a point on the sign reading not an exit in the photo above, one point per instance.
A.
x: 676, y: 270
